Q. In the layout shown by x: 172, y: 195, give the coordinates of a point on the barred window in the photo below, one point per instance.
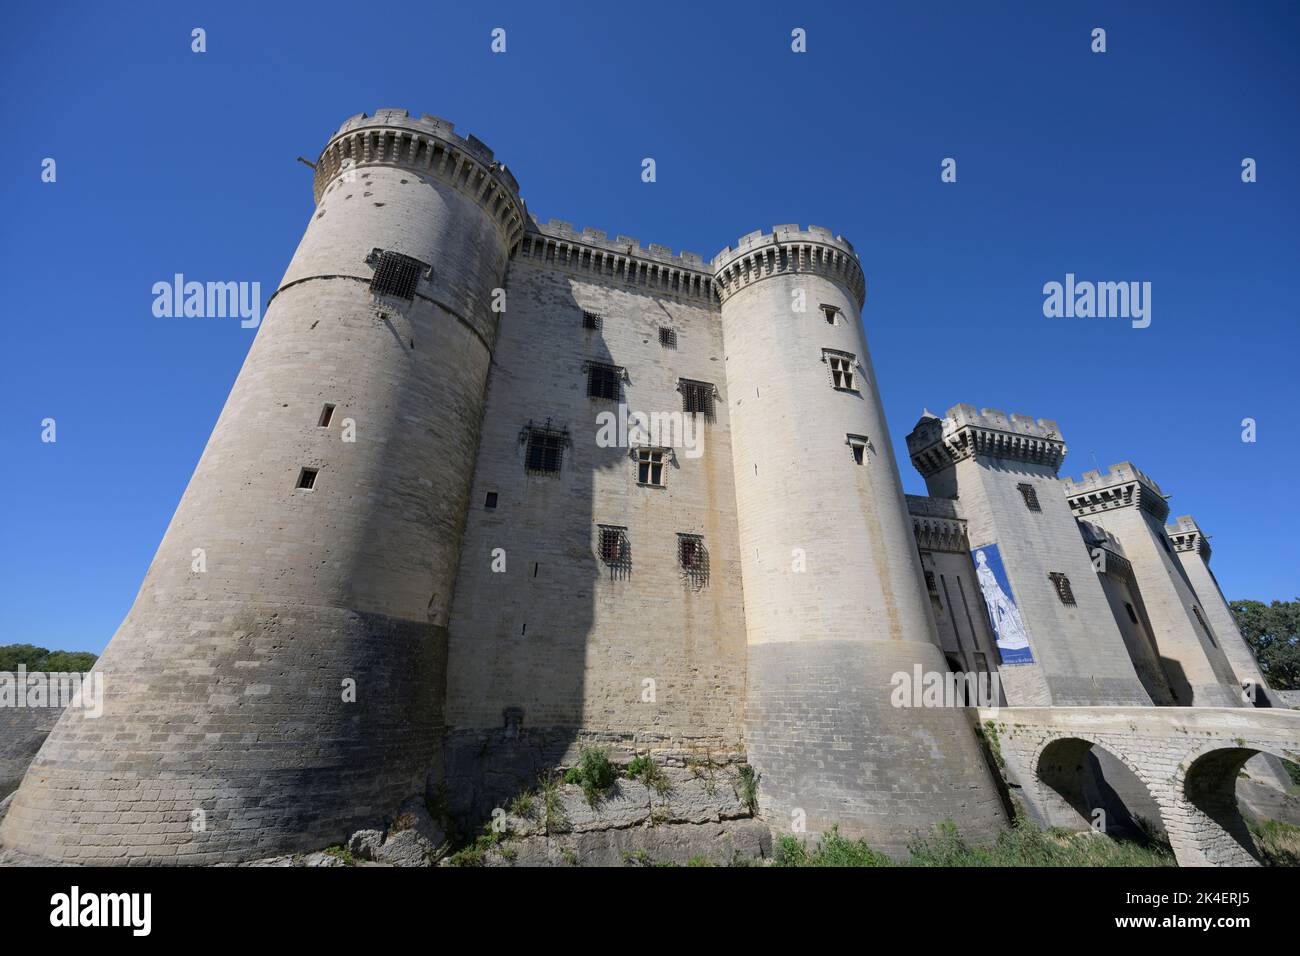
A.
x: 930, y: 584
x: 395, y: 274
x: 604, y: 381
x: 545, y: 449
x: 697, y: 398
x: 650, y: 466
x: 1062, y: 585
x: 590, y: 320
x: 1030, y: 494
x: 693, y: 559
x: 614, y: 550
x: 667, y: 337
x: 841, y: 366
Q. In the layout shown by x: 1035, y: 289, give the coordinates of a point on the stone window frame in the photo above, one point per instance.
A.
x: 840, y: 367
x: 859, y: 446
x: 649, y: 457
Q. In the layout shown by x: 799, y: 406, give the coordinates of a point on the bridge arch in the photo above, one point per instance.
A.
x: 1207, y: 783
x: 1079, y: 778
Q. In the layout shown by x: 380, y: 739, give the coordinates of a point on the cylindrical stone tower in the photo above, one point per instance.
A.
x: 279, y: 679
x: 834, y: 593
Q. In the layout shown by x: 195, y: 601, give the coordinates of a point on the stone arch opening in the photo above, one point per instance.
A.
x: 1081, y: 783
x: 1211, y: 790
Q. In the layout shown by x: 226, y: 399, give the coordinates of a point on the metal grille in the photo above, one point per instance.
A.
x: 615, y: 551
x: 1030, y: 494
x: 1063, y: 589
x: 590, y: 320
x: 668, y: 337
x: 545, y: 451
x: 604, y: 381
x: 693, y: 559
x: 930, y: 584
x: 395, y: 274
x: 697, y: 398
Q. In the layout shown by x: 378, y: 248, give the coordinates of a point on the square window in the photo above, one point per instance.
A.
x: 1030, y: 494
x: 544, y: 453
x: 650, y: 467
x: 604, y: 381
x: 697, y: 398
x: 1063, y: 589
x: 667, y: 337
x: 307, y: 479
x: 590, y: 320
x: 395, y: 274
x: 491, y: 501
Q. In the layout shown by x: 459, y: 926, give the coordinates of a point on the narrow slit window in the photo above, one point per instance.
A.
x: 327, y: 413
x: 1030, y: 494
x: 1063, y: 589
x: 1132, y: 615
x: 860, y: 445
x: 1204, y: 627
x: 667, y: 337
x: 491, y: 502
x: 307, y: 479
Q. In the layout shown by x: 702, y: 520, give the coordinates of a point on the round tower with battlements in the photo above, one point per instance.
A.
x: 279, y: 680
x: 834, y: 593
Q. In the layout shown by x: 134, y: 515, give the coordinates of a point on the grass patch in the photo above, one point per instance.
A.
x: 1278, y: 843
x: 651, y: 774
x: 747, y: 787
x: 594, y: 773
x: 340, y: 852
x: 1024, y: 845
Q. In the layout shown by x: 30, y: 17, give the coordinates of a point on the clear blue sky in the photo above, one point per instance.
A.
x: 1121, y: 166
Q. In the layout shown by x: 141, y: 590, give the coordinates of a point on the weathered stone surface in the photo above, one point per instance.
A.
x: 413, y: 813
x: 365, y: 844
x: 406, y: 848
x: 718, y: 844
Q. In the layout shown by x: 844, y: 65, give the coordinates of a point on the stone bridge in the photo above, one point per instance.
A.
x: 1068, y: 761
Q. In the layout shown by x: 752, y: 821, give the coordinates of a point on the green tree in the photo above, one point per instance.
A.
x: 43, y: 659
x: 1273, y: 633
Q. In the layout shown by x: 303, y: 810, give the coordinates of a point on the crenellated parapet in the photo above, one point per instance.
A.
x: 936, y: 444
x: 937, y: 524
x: 1186, y: 535
x: 655, y: 268
x: 428, y: 146
x: 789, y: 249
x: 1123, y: 486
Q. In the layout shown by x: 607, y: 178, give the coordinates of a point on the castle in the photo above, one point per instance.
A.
x: 428, y: 561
